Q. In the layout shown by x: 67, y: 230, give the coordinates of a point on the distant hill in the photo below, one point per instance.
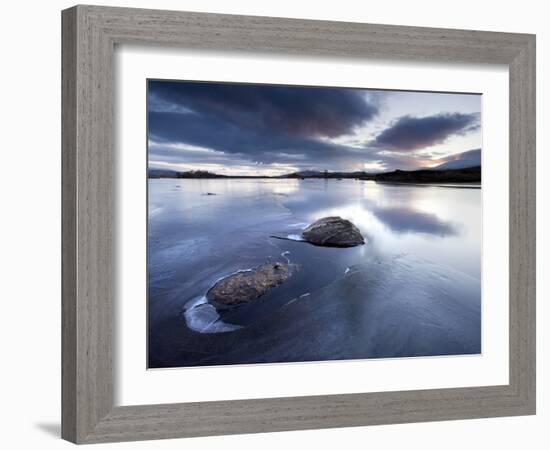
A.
x: 434, y: 175
x: 471, y: 158
x: 324, y: 174
x: 304, y: 174
x: 199, y: 174
x: 162, y: 173
x: 166, y: 173
x: 465, y: 175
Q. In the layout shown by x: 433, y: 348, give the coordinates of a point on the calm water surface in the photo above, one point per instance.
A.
x: 412, y: 290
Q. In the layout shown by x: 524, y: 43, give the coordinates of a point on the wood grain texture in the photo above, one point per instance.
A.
x: 523, y: 224
x: 68, y: 225
x: 89, y: 36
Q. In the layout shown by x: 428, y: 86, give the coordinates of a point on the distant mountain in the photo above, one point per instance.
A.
x: 471, y: 158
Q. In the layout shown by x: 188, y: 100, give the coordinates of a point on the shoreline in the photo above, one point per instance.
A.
x: 452, y: 184
x: 421, y: 176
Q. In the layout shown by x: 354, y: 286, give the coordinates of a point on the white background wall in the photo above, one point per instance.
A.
x: 30, y: 225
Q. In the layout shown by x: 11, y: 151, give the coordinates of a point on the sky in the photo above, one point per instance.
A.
x: 261, y: 129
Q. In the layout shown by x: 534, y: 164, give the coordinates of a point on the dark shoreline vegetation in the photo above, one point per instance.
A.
x: 463, y: 175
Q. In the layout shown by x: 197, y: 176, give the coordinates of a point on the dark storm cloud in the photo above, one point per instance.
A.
x: 259, y: 123
x: 413, y: 133
x: 231, y: 139
x: 246, y: 125
x: 294, y: 111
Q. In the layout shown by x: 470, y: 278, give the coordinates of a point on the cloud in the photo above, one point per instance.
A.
x: 297, y: 111
x: 259, y: 124
x: 410, y: 133
x: 242, y: 126
x: 168, y: 129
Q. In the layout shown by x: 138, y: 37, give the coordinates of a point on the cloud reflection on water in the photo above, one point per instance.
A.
x: 406, y: 220
x: 399, y: 209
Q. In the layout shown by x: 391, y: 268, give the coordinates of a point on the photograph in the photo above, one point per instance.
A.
x: 295, y: 224
x: 267, y: 225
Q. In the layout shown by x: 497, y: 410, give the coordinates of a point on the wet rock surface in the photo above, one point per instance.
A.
x: 333, y: 232
x: 245, y: 286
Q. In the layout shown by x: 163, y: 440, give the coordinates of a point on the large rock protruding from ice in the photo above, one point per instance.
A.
x: 244, y: 286
x: 333, y: 232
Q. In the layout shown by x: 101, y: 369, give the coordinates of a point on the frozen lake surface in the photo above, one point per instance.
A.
x: 412, y: 290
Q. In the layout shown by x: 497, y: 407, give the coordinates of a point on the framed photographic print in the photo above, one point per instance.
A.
x: 275, y: 258
x: 268, y: 222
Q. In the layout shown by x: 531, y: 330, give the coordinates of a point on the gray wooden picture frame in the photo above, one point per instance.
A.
x: 90, y: 34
